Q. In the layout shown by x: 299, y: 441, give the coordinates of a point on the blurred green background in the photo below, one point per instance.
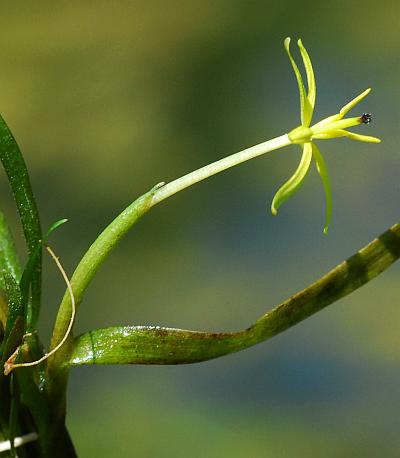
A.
x: 108, y: 98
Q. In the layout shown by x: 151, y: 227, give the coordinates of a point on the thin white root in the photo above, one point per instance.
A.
x: 9, y: 364
x: 18, y: 441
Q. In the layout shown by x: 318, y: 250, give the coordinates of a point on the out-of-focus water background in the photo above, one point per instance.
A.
x: 108, y: 98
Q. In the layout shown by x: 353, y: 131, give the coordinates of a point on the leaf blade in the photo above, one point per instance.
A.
x: 17, y: 173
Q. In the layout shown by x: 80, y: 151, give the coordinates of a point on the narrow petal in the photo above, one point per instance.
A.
x: 354, y: 102
x: 335, y: 125
x: 305, y: 107
x: 312, y: 89
x: 360, y: 138
x: 323, y: 173
x: 329, y: 119
x: 345, y: 133
x: 336, y: 133
x: 294, y: 182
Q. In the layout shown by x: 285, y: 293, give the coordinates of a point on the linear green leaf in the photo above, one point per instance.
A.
x: 152, y: 345
x: 157, y: 345
x: 8, y: 256
x: 9, y: 267
x: 28, y: 275
x: 17, y: 173
x: 55, y: 226
x: 14, y: 407
x: 15, y: 305
x: 10, y: 344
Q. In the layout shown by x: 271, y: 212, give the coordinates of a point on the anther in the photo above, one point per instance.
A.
x: 366, y: 118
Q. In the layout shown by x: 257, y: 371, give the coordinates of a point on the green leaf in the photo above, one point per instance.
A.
x: 15, y: 304
x: 157, y: 345
x: 13, y: 421
x: 8, y: 348
x: 3, y: 313
x: 9, y: 265
x: 150, y: 345
x: 35, y: 399
x: 28, y: 276
x: 8, y: 256
x: 55, y: 226
x: 17, y: 173
x: 292, y: 185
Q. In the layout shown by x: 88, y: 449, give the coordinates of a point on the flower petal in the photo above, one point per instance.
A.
x: 329, y: 119
x: 336, y: 133
x: 305, y: 107
x: 354, y: 102
x: 323, y: 173
x: 294, y: 182
x: 360, y: 138
x: 312, y: 88
x: 336, y: 125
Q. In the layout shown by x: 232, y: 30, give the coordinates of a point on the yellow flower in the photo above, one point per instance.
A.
x: 332, y: 127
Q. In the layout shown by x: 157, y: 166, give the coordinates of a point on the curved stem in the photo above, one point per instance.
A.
x: 113, y: 233
x: 58, y: 364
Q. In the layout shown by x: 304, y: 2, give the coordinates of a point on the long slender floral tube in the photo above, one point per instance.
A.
x: 209, y: 170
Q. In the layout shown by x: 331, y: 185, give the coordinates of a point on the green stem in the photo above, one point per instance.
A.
x: 157, y: 345
x: 58, y: 364
x: 94, y: 257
